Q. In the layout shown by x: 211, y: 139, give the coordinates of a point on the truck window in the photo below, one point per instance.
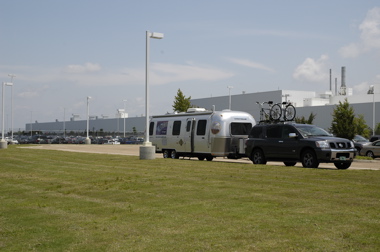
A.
x: 151, y: 126
x: 161, y: 128
x: 274, y: 131
x: 201, y: 127
x: 257, y: 132
x: 176, y: 128
x: 240, y: 128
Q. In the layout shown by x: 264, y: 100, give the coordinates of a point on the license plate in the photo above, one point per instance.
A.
x: 342, y: 158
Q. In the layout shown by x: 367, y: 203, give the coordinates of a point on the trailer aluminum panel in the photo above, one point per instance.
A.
x: 201, y: 133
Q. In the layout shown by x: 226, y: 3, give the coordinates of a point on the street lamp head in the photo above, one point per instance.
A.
x: 157, y: 35
x: 89, y: 97
x: 7, y: 83
x: 371, y: 89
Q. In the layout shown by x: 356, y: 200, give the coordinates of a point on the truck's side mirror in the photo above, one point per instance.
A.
x: 292, y: 135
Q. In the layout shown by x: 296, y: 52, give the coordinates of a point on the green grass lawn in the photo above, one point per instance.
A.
x: 63, y: 201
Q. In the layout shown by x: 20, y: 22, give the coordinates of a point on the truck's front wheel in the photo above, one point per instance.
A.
x: 309, y: 159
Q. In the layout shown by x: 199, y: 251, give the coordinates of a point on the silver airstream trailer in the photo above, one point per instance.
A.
x: 201, y: 133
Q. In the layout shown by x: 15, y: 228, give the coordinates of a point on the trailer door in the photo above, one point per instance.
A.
x: 201, y: 140
x: 189, y: 135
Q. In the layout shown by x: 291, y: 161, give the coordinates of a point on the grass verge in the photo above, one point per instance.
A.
x: 63, y: 201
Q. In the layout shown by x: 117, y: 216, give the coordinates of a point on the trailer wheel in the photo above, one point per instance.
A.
x: 165, y: 154
x: 201, y: 158
x: 209, y: 158
x: 174, y: 154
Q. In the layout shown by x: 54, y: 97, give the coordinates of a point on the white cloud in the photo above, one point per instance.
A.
x: 86, y: 68
x: 370, y: 29
x: 362, y: 88
x: 312, y: 70
x: 369, y: 37
x: 163, y: 73
x: 350, y: 51
x: 251, y: 64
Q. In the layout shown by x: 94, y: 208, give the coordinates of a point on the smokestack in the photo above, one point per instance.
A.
x: 343, y: 76
x: 330, y: 79
x: 336, y: 86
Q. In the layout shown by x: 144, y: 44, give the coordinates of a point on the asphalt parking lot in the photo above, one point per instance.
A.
x: 133, y: 150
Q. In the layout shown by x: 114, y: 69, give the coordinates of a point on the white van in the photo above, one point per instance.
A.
x: 201, y: 133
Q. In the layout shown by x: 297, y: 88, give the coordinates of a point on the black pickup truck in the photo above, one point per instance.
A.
x: 292, y: 143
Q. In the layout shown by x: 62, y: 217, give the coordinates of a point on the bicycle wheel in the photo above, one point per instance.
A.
x: 290, y: 113
x: 275, y: 112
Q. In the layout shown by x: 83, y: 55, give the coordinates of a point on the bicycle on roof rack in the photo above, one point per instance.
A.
x: 275, y: 111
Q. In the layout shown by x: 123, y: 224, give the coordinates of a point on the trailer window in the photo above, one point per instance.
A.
x: 151, y: 126
x: 240, y: 128
x: 201, y: 127
x: 176, y: 128
x: 162, y: 127
x: 188, y: 126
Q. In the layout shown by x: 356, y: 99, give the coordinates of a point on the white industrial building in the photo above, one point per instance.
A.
x: 306, y: 102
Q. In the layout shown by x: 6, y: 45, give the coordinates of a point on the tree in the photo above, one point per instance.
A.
x: 181, y: 103
x: 303, y: 120
x: 361, y: 128
x: 377, y: 129
x: 343, y: 121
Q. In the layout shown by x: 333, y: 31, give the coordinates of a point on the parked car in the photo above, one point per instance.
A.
x: 11, y: 141
x: 292, y: 143
x: 371, y: 150
x: 359, y: 141
x: 374, y: 138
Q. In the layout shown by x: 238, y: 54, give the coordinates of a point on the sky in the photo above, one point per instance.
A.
x: 62, y: 51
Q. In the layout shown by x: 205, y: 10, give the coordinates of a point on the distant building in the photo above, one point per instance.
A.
x: 306, y: 102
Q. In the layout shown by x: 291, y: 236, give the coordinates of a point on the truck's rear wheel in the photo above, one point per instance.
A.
x: 342, y: 166
x: 258, y: 157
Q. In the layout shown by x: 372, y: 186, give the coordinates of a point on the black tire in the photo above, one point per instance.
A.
x: 209, y: 158
x: 290, y: 163
x: 275, y: 112
x: 258, y: 157
x: 174, y: 154
x: 370, y: 154
x: 309, y: 159
x: 165, y: 154
x: 290, y: 113
x: 342, y: 166
x: 201, y: 158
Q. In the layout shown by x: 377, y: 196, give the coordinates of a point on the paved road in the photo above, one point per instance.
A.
x: 133, y: 150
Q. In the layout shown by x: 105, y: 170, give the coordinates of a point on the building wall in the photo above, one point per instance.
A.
x: 107, y: 125
x: 323, y: 119
x: 362, y: 104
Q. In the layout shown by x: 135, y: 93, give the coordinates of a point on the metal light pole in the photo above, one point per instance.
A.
x: 12, y: 76
x: 229, y: 94
x: 124, y: 115
x: 372, y: 91
x: 3, y: 143
x: 147, y: 151
x: 87, y: 140
x: 64, y: 122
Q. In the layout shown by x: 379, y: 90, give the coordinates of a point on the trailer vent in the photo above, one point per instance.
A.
x: 190, y: 110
